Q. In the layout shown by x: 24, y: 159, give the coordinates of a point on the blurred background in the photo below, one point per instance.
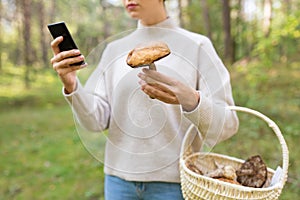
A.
x: 41, y: 154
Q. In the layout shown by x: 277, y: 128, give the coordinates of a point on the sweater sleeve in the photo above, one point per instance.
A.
x: 212, y: 117
x: 90, y: 103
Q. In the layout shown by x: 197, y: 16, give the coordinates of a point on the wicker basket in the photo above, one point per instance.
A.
x: 195, y: 186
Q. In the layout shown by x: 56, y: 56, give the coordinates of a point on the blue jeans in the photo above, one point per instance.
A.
x: 119, y: 189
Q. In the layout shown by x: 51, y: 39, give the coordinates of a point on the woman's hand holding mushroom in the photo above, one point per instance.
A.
x: 168, y: 90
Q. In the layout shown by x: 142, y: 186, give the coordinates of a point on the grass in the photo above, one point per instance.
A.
x: 42, y: 156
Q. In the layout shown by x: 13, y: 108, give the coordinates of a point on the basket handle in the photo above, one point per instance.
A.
x: 271, y: 124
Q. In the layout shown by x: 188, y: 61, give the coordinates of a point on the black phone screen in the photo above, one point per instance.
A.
x: 60, y: 29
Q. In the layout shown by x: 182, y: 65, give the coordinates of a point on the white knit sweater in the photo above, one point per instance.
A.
x: 145, y: 135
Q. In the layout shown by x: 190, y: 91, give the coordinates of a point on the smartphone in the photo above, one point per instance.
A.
x: 60, y: 29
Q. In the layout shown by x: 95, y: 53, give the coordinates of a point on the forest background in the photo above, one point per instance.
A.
x: 41, y: 154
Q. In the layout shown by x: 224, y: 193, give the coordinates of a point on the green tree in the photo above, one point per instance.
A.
x: 1, y: 11
x: 43, y: 41
x: 269, y: 33
x: 206, y: 17
x: 228, y: 41
x: 27, y: 47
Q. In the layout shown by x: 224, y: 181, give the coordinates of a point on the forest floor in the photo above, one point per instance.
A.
x: 42, y: 156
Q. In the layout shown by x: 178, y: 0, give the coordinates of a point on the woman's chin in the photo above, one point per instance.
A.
x: 134, y: 15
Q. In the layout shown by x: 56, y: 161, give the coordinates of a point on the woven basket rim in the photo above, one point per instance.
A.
x: 188, y: 176
x: 245, y: 188
x: 271, y: 124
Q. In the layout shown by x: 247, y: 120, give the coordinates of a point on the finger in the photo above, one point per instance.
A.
x: 146, y: 78
x: 66, y: 63
x: 65, y: 54
x: 162, y: 88
x: 160, y: 95
x: 55, y: 43
x: 142, y: 82
x: 159, y: 77
x: 64, y: 71
x: 65, y: 59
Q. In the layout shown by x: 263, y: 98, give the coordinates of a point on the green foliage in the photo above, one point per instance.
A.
x: 281, y: 43
x: 250, y: 41
x: 193, y: 20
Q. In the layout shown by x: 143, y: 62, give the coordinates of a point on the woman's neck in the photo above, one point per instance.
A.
x: 154, y: 17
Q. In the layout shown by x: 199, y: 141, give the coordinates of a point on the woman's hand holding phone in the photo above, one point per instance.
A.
x: 62, y: 63
x: 67, y: 58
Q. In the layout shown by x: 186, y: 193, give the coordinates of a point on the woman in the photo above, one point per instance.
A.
x: 190, y: 86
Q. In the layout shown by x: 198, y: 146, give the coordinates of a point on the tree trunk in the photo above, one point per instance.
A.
x: 228, y: 42
x: 287, y: 6
x: 43, y: 43
x: 180, y: 17
x: 206, y: 18
x: 242, y: 49
x: 267, y: 17
x: 182, y: 8
x: 27, y: 40
x: 52, y: 11
x: 106, y: 26
x: 1, y: 35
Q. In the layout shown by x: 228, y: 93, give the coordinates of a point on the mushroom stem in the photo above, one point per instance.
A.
x: 152, y: 66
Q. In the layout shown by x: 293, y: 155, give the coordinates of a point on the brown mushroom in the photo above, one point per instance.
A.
x: 253, y: 172
x: 229, y: 181
x: 147, y: 54
x: 222, y: 171
x: 193, y: 167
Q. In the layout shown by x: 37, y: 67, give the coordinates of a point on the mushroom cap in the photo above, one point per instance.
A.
x: 146, y: 54
x: 253, y: 172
